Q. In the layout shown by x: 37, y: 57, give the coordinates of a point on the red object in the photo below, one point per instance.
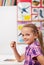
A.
x: 23, y: 0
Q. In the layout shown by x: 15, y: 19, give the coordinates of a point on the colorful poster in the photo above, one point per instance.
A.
x: 30, y: 11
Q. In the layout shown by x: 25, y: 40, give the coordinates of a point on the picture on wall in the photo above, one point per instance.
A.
x: 37, y: 14
x: 36, y: 3
x: 24, y: 11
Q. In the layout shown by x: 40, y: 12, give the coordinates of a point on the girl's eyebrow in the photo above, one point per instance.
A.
x: 27, y: 34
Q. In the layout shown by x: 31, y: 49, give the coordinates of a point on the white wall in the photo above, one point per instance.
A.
x: 8, y: 29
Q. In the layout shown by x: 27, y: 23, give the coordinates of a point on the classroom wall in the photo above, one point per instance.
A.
x: 8, y: 29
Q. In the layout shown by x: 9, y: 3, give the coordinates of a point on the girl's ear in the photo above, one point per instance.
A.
x: 36, y: 36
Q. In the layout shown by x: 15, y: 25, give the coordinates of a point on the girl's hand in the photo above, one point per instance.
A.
x: 13, y: 45
x: 40, y: 58
x: 18, y: 57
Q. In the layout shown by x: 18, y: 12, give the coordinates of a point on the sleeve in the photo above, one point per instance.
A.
x: 35, y: 52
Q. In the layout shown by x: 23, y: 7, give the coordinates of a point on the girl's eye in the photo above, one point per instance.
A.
x: 26, y: 35
x: 22, y: 35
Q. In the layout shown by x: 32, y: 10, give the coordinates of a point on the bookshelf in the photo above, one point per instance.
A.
x: 8, y: 2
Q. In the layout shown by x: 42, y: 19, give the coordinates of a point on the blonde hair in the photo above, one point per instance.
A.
x: 35, y: 30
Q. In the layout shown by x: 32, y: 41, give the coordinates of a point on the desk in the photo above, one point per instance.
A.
x: 10, y: 63
x: 8, y: 60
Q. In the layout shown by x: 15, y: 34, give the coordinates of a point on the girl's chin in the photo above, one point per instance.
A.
x: 26, y: 42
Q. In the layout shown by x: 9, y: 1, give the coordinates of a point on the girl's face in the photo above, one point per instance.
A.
x: 27, y: 35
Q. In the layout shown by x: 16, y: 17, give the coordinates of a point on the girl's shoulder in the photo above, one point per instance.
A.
x: 35, y: 45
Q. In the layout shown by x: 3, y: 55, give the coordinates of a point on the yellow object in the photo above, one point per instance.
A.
x: 20, y: 27
x: 27, y: 17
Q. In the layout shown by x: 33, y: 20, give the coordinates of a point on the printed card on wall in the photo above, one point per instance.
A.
x: 37, y: 14
x: 24, y: 11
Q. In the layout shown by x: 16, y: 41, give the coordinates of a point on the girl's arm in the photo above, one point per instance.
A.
x: 18, y: 57
x: 41, y: 59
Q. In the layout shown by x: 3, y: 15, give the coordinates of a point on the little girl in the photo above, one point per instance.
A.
x: 34, y: 51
